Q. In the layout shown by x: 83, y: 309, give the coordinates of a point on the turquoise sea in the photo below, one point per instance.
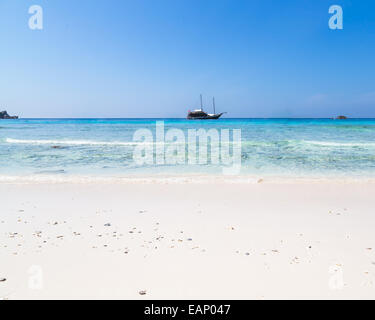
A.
x: 104, y: 147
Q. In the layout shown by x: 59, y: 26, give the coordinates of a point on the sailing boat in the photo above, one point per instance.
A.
x: 199, y: 114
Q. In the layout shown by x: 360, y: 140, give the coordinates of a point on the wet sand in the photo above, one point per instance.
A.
x: 187, y: 241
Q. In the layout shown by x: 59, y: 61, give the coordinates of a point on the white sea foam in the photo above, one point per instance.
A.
x: 81, y: 142
x: 186, y: 179
x: 121, y: 143
x: 341, y: 144
x: 70, y: 142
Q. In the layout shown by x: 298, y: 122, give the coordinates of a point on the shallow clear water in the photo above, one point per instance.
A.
x: 270, y: 147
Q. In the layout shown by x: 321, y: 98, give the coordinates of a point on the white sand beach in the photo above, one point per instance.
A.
x: 187, y: 240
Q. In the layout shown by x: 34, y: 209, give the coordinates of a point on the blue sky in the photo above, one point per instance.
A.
x: 149, y: 58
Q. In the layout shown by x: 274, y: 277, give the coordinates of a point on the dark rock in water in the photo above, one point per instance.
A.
x: 5, y: 115
x: 57, y: 147
x: 341, y: 118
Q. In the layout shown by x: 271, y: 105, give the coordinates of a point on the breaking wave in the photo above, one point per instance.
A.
x: 70, y: 142
x: 249, y: 143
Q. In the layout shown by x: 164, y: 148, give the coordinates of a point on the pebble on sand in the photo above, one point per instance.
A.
x: 142, y: 292
x: 3, y: 279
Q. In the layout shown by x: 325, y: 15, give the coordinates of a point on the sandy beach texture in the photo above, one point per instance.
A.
x: 184, y: 240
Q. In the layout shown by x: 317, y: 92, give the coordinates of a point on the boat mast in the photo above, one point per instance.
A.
x: 213, y: 102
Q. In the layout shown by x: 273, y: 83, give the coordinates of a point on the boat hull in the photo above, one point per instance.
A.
x: 205, y: 117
